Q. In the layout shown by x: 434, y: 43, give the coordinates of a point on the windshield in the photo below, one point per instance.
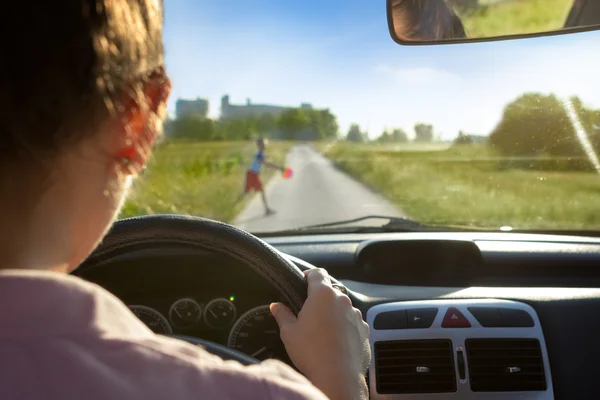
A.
x: 293, y: 113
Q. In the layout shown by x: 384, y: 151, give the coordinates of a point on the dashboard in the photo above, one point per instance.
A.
x: 194, y: 293
x: 529, y: 306
x: 251, y: 330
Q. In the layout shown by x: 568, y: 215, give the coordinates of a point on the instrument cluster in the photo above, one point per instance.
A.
x: 187, y: 313
x: 247, y: 326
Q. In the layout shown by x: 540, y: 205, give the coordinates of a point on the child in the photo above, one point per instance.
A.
x: 82, y: 97
x: 253, y: 181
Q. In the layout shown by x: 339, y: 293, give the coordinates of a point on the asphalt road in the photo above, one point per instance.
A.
x: 317, y: 193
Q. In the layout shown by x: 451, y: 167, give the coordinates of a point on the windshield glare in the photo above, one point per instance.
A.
x: 296, y: 113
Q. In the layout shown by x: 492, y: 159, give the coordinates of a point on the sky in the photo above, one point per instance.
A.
x: 339, y: 55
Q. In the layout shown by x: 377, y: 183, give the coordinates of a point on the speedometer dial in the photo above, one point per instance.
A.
x: 256, y: 333
x: 152, y: 319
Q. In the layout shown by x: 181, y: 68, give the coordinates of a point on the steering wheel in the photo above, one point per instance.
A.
x: 286, y: 279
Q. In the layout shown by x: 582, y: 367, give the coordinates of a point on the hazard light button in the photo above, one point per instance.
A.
x: 455, y: 319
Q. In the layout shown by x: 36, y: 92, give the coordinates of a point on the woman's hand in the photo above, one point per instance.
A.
x: 328, y: 341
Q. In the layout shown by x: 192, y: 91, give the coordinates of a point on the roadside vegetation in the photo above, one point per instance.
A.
x: 472, y: 186
x: 200, y: 167
x: 487, y: 18
x: 197, y: 178
x: 533, y: 171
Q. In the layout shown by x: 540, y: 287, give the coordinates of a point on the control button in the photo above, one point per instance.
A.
x: 512, y: 318
x: 421, y: 318
x: 390, y: 320
x: 488, y: 317
x: 455, y: 319
x: 460, y: 359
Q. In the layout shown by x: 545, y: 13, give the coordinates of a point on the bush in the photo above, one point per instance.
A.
x: 355, y: 135
x: 537, y: 124
x: 463, y: 139
x: 397, y: 136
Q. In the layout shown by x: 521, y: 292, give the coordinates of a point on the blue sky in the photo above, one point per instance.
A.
x: 338, y: 55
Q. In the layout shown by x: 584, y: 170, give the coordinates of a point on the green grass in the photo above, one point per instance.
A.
x: 201, y: 179
x: 517, y: 17
x: 433, y: 188
x: 466, y: 186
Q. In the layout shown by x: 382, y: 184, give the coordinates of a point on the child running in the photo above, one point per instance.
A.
x: 253, y: 181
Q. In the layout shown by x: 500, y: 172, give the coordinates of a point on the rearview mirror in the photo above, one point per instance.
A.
x: 419, y: 22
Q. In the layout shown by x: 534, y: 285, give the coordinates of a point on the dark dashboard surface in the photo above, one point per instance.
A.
x: 159, y: 279
x: 559, y: 276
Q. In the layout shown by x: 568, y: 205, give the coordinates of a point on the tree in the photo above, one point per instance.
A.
x: 535, y: 123
x: 307, y: 124
x: 192, y: 127
x: 291, y: 122
x: 463, y: 139
x: 590, y: 121
x: 423, y: 133
x: 266, y: 124
x: 327, y: 124
x: 242, y: 128
x: 398, y: 135
x: 385, y: 137
x: 355, y: 135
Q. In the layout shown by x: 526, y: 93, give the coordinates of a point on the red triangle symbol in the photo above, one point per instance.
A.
x: 455, y: 319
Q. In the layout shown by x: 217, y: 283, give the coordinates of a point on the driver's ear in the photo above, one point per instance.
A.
x: 140, y: 123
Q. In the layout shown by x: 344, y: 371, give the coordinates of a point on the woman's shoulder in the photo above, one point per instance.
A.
x: 193, y: 371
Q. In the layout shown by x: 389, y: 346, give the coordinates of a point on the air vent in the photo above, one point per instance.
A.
x: 414, y: 366
x: 505, y: 365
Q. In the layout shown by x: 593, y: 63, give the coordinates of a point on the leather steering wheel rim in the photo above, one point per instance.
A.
x: 286, y: 279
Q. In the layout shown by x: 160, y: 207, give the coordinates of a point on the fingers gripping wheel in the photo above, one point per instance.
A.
x: 285, y: 278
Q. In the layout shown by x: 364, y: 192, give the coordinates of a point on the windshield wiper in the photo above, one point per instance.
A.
x: 391, y: 224
x: 404, y: 222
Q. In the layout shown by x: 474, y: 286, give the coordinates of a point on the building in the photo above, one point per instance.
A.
x: 198, y: 107
x: 229, y: 110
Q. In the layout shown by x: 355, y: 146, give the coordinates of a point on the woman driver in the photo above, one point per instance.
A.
x: 82, y: 96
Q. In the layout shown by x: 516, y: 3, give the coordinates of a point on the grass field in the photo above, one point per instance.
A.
x: 517, y: 17
x: 466, y: 186
x: 454, y: 187
x: 202, y: 179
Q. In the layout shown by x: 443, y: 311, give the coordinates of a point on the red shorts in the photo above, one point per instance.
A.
x: 253, y: 182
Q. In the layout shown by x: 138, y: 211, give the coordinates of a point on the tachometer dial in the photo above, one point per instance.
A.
x: 219, y: 313
x: 256, y: 333
x: 152, y: 319
x: 185, y: 313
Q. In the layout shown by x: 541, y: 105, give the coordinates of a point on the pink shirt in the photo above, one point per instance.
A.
x: 64, y: 338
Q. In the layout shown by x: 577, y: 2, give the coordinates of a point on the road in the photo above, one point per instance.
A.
x: 317, y: 193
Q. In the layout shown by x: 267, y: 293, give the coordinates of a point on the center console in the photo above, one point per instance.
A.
x: 467, y: 349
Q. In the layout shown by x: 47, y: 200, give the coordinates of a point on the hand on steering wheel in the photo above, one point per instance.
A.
x: 328, y: 341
